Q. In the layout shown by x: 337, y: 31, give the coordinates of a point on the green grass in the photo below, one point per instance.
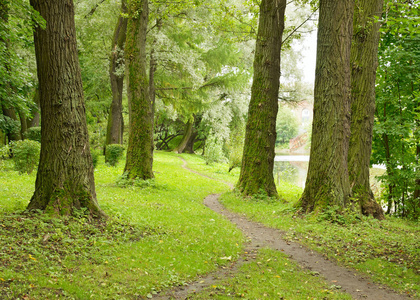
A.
x: 272, y: 276
x: 388, y: 251
x: 158, y: 236
x: 161, y: 235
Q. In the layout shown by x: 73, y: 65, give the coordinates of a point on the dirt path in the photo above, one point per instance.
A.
x: 351, y: 281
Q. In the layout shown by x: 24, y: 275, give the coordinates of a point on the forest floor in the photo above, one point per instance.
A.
x: 259, y: 236
x: 162, y: 242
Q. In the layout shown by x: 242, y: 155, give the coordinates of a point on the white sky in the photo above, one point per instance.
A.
x: 308, y: 48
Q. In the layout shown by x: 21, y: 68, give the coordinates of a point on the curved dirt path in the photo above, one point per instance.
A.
x: 352, y: 282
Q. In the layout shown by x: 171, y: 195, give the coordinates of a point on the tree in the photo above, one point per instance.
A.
x: 260, y: 137
x: 396, y: 131
x: 363, y: 61
x: 17, y: 67
x: 115, y: 128
x: 327, y: 183
x: 139, y: 160
x: 65, y: 180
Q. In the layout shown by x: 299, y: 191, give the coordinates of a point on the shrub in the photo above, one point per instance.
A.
x: 95, y: 157
x: 214, y: 151
x: 5, y: 152
x: 34, y: 134
x: 113, y: 153
x: 25, y: 155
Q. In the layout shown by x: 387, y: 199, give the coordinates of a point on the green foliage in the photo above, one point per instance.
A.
x: 234, y: 147
x: 8, y: 125
x: 287, y: 126
x: 214, y: 150
x: 396, y: 131
x: 34, y: 134
x: 5, y: 152
x: 95, y: 156
x: 25, y: 155
x: 113, y: 153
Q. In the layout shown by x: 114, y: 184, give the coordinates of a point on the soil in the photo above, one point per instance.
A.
x: 351, y: 281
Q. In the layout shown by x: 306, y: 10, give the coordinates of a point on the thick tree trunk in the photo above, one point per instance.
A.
x: 187, y: 134
x: 363, y: 61
x: 115, y: 128
x: 140, y: 144
x: 327, y: 183
x: 65, y: 174
x: 258, y: 156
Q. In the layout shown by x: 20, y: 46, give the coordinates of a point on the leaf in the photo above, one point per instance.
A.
x: 149, y: 296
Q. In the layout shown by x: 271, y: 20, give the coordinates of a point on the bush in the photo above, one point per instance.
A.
x: 113, y: 153
x: 5, y: 152
x: 214, y: 151
x: 25, y: 155
x: 95, y: 157
x: 34, y: 134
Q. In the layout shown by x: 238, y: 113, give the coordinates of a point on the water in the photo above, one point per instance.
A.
x: 291, y: 168
x: 294, y: 169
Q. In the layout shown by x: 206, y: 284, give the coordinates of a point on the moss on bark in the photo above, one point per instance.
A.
x: 258, y: 155
x: 363, y: 62
x: 327, y: 183
x: 65, y: 178
x: 139, y: 160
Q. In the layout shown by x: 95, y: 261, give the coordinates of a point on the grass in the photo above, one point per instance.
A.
x: 160, y: 235
x: 273, y: 276
x: 387, y: 251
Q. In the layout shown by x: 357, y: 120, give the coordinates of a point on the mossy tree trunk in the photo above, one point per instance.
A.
x: 140, y: 144
x: 260, y: 137
x: 65, y: 179
x: 327, y: 183
x: 115, y: 128
x: 363, y: 61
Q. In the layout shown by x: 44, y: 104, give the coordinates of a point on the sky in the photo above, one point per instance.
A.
x: 308, y: 48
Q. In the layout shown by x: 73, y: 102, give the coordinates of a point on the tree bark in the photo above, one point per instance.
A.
x: 140, y: 144
x: 187, y: 134
x: 35, y: 120
x: 115, y: 128
x: 363, y: 61
x: 260, y: 137
x: 65, y: 179
x: 327, y: 183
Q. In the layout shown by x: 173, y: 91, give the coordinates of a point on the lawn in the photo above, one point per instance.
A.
x: 160, y: 235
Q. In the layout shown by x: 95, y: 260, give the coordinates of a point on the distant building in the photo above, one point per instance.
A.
x: 304, y: 112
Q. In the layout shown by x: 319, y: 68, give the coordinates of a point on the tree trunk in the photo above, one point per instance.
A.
x: 363, y: 61
x: 23, y: 124
x: 140, y: 144
x: 260, y: 137
x: 327, y: 183
x: 115, y: 128
x: 35, y: 120
x: 65, y: 179
x: 187, y: 134
x: 11, y: 113
x: 189, y: 148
